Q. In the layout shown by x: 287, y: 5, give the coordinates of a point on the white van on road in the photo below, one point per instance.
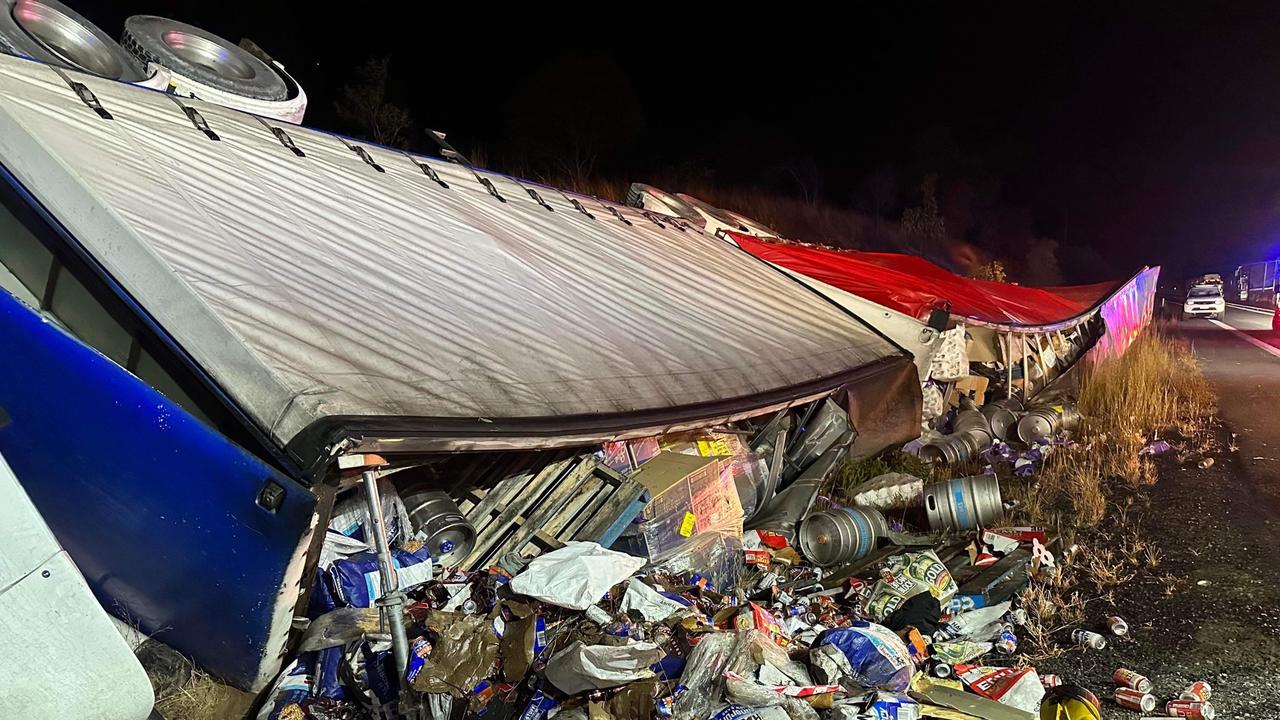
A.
x: 1204, y: 301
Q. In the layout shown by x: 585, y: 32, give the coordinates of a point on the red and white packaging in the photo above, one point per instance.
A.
x: 1127, y: 678
x: 798, y: 691
x: 1194, y: 709
x: 1198, y: 690
x: 999, y: 541
x: 1135, y: 699
x: 1015, y: 687
x: 763, y: 539
x: 1023, y: 533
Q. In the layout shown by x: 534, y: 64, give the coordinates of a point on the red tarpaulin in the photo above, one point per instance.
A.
x: 914, y: 286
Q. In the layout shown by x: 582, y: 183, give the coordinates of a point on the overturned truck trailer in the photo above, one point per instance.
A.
x: 202, y: 311
x: 1019, y: 340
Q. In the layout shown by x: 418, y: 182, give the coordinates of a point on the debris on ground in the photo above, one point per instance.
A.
x: 712, y: 575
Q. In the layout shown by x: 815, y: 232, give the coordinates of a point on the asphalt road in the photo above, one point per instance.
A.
x: 1211, y: 609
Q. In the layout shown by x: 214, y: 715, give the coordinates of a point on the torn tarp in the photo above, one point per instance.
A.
x: 581, y: 667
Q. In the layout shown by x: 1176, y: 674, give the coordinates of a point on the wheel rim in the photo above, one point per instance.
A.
x: 213, y: 56
x: 68, y: 38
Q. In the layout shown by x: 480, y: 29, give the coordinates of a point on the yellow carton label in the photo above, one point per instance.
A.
x: 686, y: 525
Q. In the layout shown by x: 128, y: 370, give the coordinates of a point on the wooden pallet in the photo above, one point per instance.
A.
x: 543, y: 506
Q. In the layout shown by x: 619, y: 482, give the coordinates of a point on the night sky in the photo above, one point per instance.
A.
x: 1148, y: 134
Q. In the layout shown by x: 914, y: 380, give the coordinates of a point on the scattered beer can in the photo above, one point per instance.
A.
x: 1194, y: 709
x: 1118, y: 626
x: 1198, y: 690
x: 1089, y: 639
x: 941, y: 670
x: 1126, y: 678
x: 1135, y: 699
x: 1050, y: 680
x: 1007, y: 643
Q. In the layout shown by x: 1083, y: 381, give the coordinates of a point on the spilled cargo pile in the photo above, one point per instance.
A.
x: 691, y: 576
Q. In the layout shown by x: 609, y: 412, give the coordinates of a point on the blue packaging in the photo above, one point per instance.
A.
x: 381, y: 683
x: 327, y: 664
x: 294, y: 687
x: 891, y: 706
x: 418, y: 653
x: 539, y: 705
x: 356, y: 583
x: 877, y: 657
x: 539, y: 635
x: 669, y: 667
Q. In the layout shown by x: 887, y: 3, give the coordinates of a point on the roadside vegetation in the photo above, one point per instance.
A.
x: 1086, y: 489
x: 1154, y: 391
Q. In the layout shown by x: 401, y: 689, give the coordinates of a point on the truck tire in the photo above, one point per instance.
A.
x: 189, y: 52
x: 71, y: 40
x: 15, y: 41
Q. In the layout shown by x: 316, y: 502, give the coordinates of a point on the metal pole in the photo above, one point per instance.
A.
x: 1026, y: 370
x: 1006, y: 348
x: 392, y: 600
x: 1044, y: 366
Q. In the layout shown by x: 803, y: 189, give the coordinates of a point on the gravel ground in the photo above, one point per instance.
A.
x: 1222, y: 621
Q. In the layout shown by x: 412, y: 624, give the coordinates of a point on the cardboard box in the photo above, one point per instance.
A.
x: 690, y: 494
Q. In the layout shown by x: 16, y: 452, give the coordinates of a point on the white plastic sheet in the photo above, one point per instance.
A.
x: 582, y: 667
x: 576, y: 576
x: 651, y: 604
x: 891, y: 490
x: 981, y: 624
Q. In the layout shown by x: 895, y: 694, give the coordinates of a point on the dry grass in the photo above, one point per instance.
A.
x: 1155, y: 388
x: 204, y: 698
x: 1052, y: 605
x: 1056, y: 601
x: 856, y: 472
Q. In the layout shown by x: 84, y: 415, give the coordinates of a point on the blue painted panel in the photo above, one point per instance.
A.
x: 158, y: 510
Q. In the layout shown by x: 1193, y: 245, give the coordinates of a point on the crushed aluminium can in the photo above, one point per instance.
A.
x: 1050, y: 680
x: 1198, y: 690
x: 1089, y: 639
x: 1126, y: 678
x: 1007, y: 643
x: 1135, y: 699
x: 1194, y: 709
x: 1118, y: 626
